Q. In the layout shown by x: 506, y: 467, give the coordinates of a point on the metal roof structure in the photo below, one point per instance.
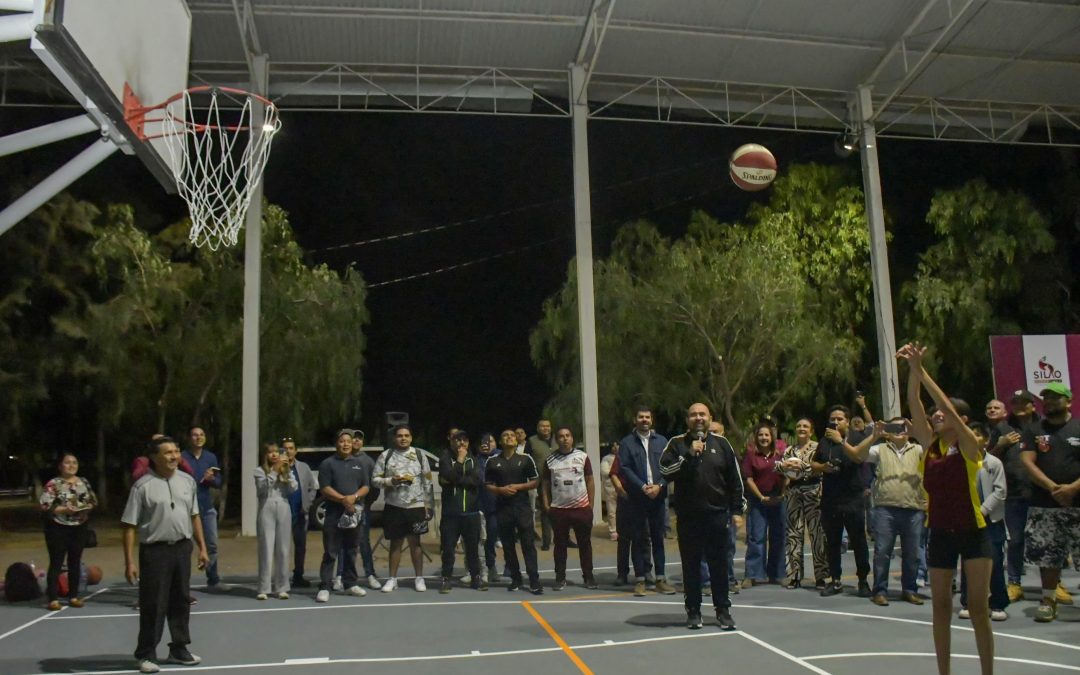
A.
x: 980, y: 70
x: 997, y: 71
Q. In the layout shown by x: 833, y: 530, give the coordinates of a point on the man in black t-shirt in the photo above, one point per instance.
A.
x: 842, y: 500
x: 510, y: 476
x: 1051, y: 454
x: 1004, y: 443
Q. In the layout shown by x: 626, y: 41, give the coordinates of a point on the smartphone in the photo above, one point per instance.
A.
x: 831, y: 425
x: 895, y: 428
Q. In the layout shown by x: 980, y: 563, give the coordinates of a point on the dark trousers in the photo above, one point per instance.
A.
x: 580, y: 520
x: 338, y: 543
x: 516, y: 526
x: 545, y: 523
x: 467, y: 527
x: 491, y: 525
x: 704, y: 536
x: 363, y: 545
x: 299, y: 538
x: 627, y: 544
x: 1016, y: 512
x: 646, y: 524
x: 834, y: 521
x: 164, y: 578
x: 999, y: 596
x: 64, y: 541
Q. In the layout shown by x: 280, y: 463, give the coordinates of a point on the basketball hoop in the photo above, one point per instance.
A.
x: 216, y: 163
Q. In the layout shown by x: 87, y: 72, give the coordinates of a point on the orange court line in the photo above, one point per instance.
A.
x: 558, y: 640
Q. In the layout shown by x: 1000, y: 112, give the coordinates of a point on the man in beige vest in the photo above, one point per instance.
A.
x: 899, y: 505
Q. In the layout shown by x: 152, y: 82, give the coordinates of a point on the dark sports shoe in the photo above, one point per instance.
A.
x: 835, y: 588
x: 559, y: 585
x: 590, y: 582
x: 621, y: 581
x: 819, y: 584
x: 181, y: 656
x: 724, y: 620
x: 536, y: 588
x: 864, y: 589
x: 444, y: 586
x: 478, y: 584
x: 514, y: 585
x: 693, y: 620
x: 545, y: 547
x: 571, y: 544
x: 300, y: 582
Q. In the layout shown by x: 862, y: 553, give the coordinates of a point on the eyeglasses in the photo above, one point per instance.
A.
x: 287, y: 439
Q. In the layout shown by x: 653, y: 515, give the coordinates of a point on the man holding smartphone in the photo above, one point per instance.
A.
x: 207, y: 473
x: 899, y: 504
x: 841, y: 502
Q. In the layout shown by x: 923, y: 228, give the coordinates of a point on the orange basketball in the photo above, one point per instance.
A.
x: 93, y: 575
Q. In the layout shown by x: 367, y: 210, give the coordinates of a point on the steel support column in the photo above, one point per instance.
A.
x: 249, y: 441
x: 590, y: 407
x: 46, y: 133
x: 879, y: 256
x: 57, y: 181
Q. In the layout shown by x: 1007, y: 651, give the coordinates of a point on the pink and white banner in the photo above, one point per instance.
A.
x: 1033, y: 361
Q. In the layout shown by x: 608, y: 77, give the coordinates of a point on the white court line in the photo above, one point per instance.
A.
x: 440, y: 657
x: 1029, y: 662
x: 616, y: 599
x: 790, y: 657
x: 46, y: 616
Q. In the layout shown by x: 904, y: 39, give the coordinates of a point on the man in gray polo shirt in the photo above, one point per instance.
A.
x: 344, y: 482
x: 162, y: 511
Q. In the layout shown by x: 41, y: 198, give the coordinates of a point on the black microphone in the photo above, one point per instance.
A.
x: 699, y: 435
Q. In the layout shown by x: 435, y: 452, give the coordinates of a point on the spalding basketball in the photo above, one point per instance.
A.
x: 752, y: 167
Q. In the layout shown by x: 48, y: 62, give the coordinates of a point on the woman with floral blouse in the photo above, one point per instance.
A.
x: 67, y: 502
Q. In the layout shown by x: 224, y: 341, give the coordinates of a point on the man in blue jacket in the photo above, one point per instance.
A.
x: 207, y: 475
x: 639, y: 459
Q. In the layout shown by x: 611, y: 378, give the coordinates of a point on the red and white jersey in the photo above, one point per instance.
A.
x: 568, y: 474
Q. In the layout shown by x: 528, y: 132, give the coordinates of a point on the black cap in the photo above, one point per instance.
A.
x: 1022, y: 395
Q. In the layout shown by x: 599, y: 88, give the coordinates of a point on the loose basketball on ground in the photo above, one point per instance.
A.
x: 752, y: 167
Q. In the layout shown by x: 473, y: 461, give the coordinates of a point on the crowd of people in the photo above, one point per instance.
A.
x: 987, y: 495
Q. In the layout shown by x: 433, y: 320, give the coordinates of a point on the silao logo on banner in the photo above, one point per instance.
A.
x: 1046, y: 360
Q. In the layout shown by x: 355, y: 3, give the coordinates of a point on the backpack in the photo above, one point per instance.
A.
x: 20, y: 583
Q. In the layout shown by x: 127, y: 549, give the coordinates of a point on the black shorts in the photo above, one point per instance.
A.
x: 398, y: 522
x: 945, y: 547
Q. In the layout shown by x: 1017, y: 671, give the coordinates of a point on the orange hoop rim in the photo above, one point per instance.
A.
x: 135, y: 112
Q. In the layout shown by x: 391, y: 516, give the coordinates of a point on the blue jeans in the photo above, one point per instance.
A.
x: 766, y: 533
x: 492, y: 527
x: 645, y: 518
x: 923, y: 539
x: 888, y: 523
x: 999, y: 597
x: 1016, y: 511
x: 209, y: 529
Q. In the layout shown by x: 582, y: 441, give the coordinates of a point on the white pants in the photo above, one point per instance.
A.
x: 274, y: 531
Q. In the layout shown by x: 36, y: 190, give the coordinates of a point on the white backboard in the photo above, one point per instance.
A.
x: 95, y: 47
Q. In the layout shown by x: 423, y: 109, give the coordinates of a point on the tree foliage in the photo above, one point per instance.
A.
x: 144, y: 332
x: 969, y: 281
x: 750, y: 318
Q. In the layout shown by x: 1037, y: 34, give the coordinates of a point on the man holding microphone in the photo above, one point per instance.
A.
x: 708, y: 490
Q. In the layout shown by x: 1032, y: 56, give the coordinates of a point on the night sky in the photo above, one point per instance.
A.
x: 452, y: 348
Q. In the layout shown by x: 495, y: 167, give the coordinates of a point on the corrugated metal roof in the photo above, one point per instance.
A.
x: 1007, y: 51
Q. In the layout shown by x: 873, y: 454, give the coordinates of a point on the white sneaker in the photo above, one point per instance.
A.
x: 148, y: 666
x: 964, y: 613
x: 337, y: 586
x: 998, y: 615
x: 283, y: 596
x: 357, y: 591
x: 498, y: 544
x: 467, y: 579
x: 390, y: 585
x: 483, y: 574
x: 420, y: 584
x: 373, y: 582
x: 322, y: 596
x: 260, y: 596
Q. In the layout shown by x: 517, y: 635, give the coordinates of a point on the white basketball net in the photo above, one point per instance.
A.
x: 217, y: 164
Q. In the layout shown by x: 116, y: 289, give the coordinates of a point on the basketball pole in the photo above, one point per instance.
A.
x: 249, y: 441
x: 879, y: 255
x: 590, y: 406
